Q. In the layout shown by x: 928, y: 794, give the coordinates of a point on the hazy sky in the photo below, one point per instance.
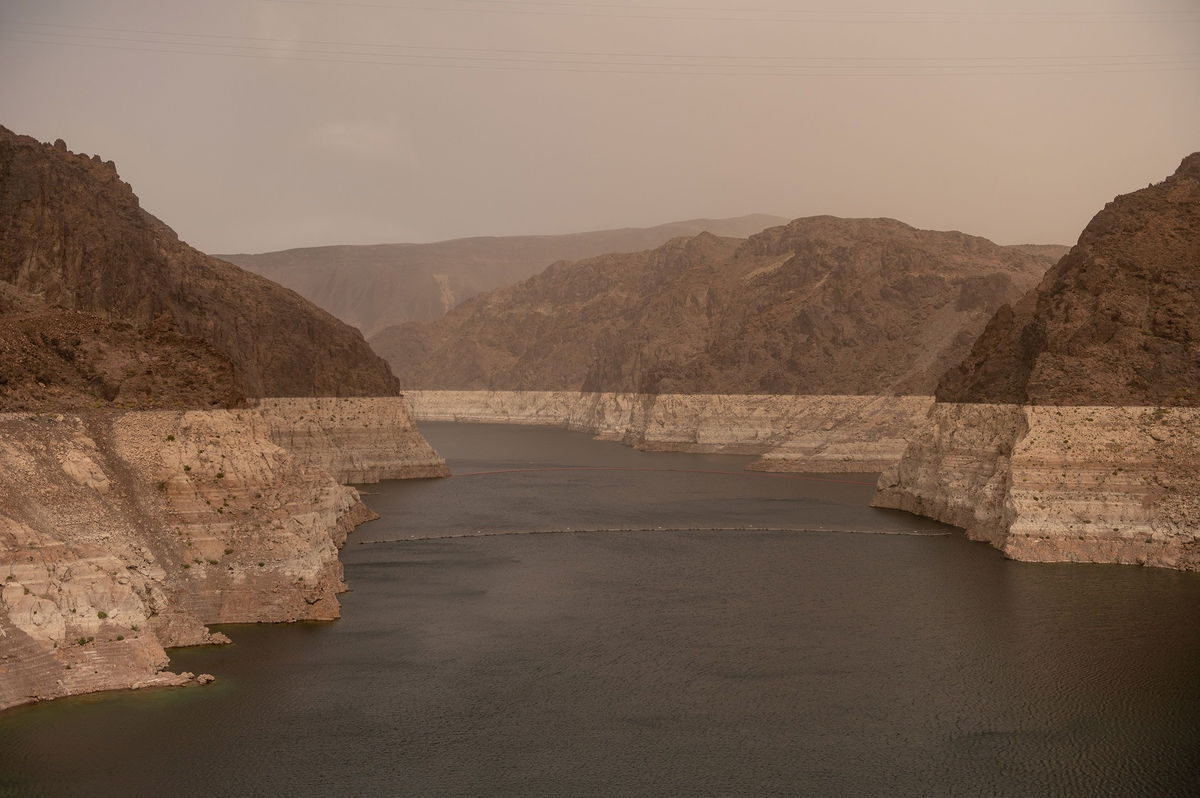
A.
x: 250, y: 125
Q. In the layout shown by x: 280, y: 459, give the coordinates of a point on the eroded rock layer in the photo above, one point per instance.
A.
x: 792, y: 433
x: 356, y: 440
x: 122, y: 533
x: 1070, y: 431
x: 1065, y: 483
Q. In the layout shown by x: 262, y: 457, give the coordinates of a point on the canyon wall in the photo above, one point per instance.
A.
x: 123, y: 533
x: 1059, y: 483
x: 792, y: 433
x: 356, y: 440
x: 1069, y: 431
x: 73, y: 234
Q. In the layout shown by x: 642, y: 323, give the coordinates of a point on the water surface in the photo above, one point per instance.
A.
x: 660, y: 663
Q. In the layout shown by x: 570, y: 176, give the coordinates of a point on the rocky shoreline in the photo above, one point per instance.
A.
x: 125, y: 533
x: 814, y: 434
x: 1059, y: 483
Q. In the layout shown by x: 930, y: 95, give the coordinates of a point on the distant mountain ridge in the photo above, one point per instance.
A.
x: 821, y: 305
x: 100, y: 286
x: 374, y: 286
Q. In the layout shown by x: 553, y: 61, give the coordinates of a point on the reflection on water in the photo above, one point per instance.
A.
x: 684, y: 663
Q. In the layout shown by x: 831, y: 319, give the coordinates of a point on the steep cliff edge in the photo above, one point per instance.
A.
x: 354, y: 440
x: 1069, y: 432
x: 124, y: 533
x: 1115, y: 322
x: 73, y: 234
x: 125, y: 529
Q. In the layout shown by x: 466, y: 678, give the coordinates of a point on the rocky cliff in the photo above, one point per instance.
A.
x: 820, y: 306
x: 1069, y: 432
x: 792, y: 433
x: 55, y: 359
x: 353, y: 440
x: 377, y: 286
x: 73, y: 235
x: 122, y: 533
x: 1115, y: 322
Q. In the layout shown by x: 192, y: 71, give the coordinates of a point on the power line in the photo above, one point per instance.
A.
x: 1115, y: 59
x: 722, y: 70
x: 806, y: 15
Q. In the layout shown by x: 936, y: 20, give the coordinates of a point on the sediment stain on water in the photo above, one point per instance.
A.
x: 648, y: 663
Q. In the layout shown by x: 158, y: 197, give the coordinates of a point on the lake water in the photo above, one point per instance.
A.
x: 819, y: 661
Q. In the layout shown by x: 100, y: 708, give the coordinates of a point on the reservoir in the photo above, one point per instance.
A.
x: 679, y: 627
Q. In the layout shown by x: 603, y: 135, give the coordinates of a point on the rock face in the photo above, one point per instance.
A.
x: 52, y: 359
x: 1065, y: 483
x: 73, y: 235
x: 1116, y: 322
x: 373, y: 287
x: 122, y: 533
x: 820, y: 306
x: 1069, y: 433
x: 354, y: 440
x: 792, y: 433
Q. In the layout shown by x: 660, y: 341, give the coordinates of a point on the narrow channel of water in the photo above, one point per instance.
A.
x: 816, y: 662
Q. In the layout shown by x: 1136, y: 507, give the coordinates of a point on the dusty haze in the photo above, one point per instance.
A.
x: 265, y: 125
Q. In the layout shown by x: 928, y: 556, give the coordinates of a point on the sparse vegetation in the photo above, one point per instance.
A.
x: 102, y: 615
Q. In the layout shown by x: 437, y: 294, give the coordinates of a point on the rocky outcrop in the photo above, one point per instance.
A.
x: 792, y: 433
x: 57, y: 360
x: 377, y: 286
x: 820, y: 306
x: 73, y: 234
x: 1116, y: 322
x: 355, y: 440
x: 1069, y: 432
x: 122, y: 533
x: 1065, y: 483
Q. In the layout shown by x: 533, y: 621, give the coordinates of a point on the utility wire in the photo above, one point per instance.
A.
x: 809, y: 16
x: 514, y: 65
x: 1002, y: 60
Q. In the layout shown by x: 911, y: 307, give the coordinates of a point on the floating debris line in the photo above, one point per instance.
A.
x: 569, y: 531
x: 775, y: 474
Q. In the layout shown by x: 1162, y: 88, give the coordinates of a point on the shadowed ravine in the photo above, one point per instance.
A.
x: 660, y: 663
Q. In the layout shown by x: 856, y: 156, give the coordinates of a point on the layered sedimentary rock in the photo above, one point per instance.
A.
x: 820, y: 306
x: 792, y: 433
x: 1070, y: 431
x: 73, y: 234
x: 122, y: 533
x: 1059, y: 483
x: 377, y: 286
x: 355, y: 440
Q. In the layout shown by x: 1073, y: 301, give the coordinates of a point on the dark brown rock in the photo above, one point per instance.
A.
x: 1116, y: 322
x: 820, y: 306
x: 73, y: 235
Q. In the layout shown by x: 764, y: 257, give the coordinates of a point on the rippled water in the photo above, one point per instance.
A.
x: 660, y: 663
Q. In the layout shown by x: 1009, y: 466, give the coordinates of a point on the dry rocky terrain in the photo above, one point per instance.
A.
x: 377, y: 286
x: 133, y: 513
x: 74, y: 236
x: 1070, y: 431
x: 818, y: 306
